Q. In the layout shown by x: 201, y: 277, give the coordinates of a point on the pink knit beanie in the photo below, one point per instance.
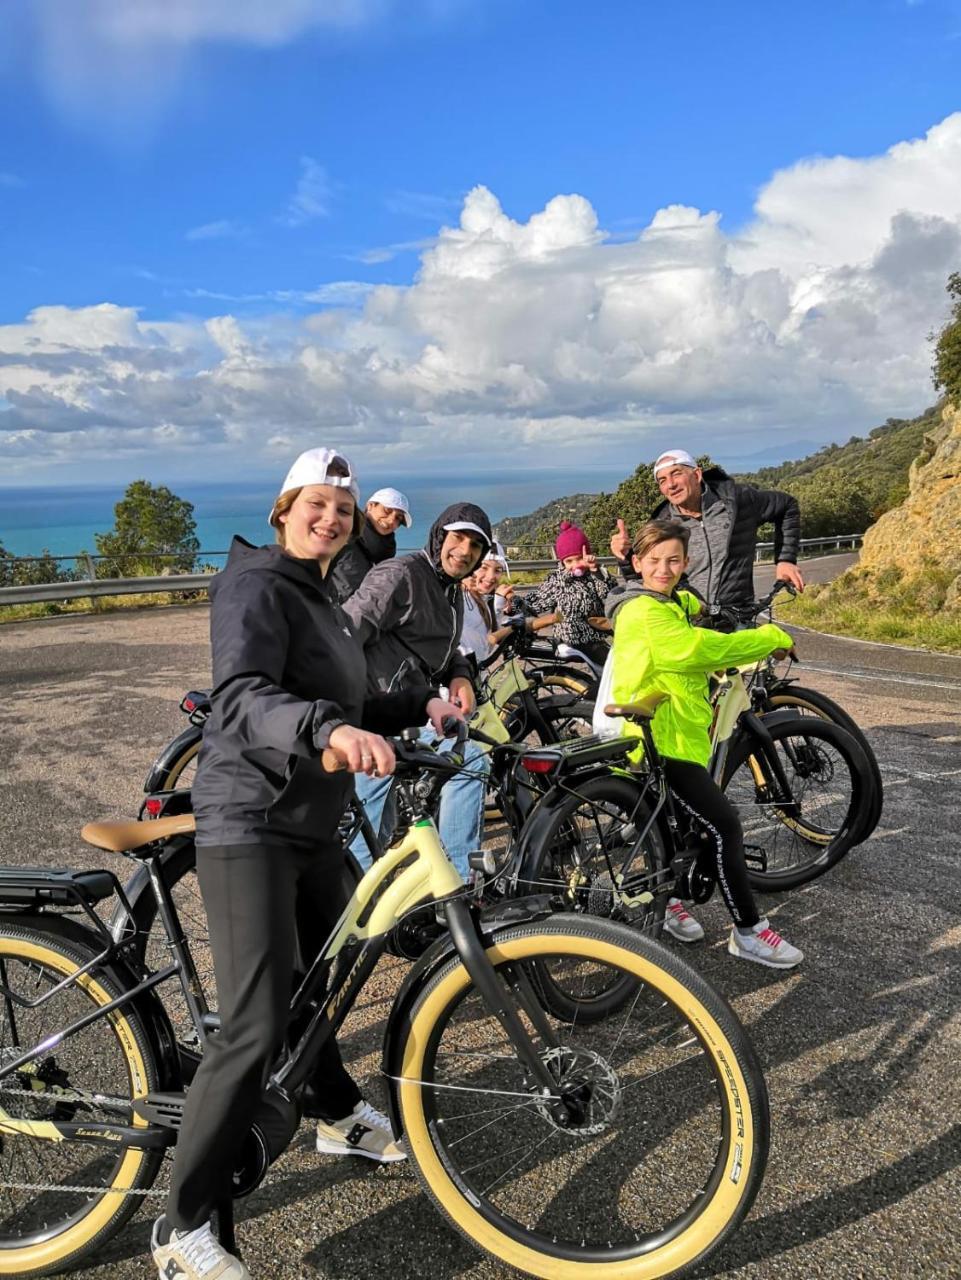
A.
x: 570, y: 541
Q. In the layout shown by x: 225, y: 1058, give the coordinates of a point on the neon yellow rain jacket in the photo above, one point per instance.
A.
x: 657, y: 650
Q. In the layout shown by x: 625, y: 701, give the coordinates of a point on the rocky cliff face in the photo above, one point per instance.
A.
x: 927, y: 525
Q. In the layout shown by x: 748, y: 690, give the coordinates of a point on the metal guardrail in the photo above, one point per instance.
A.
x: 92, y: 588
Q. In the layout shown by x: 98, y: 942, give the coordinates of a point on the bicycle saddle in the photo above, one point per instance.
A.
x: 126, y: 837
x: 641, y: 710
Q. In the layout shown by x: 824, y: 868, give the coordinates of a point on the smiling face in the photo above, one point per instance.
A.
x: 661, y: 566
x: 487, y: 577
x: 318, y: 523
x: 681, y: 486
x: 384, y: 519
x: 460, y: 552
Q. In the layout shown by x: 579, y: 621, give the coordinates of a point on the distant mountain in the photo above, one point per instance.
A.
x: 523, y: 531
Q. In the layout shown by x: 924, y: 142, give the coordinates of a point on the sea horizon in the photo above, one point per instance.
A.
x: 63, y: 520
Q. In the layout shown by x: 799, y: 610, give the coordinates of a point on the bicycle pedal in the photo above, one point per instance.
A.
x: 163, y: 1109
x: 755, y: 857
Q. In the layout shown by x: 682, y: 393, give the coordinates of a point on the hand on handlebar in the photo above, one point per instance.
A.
x: 441, y: 714
x: 780, y: 654
x: 462, y: 696
x: 790, y: 575
x: 359, y: 751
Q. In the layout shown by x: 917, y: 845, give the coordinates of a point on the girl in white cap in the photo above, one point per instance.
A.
x: 290, y: 679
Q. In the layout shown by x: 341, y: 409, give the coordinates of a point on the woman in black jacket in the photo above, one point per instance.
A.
x: 290, y: 679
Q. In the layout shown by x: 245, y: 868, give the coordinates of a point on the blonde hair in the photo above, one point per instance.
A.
x: 287, y: 500
x: 655, y: 532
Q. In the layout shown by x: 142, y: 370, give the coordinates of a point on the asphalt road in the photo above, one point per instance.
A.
x: 860, y: 1045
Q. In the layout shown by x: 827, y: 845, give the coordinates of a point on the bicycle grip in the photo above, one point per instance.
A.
x: 332, y: 761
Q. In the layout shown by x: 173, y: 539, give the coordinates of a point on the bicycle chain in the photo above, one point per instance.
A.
x: 97, y: 1191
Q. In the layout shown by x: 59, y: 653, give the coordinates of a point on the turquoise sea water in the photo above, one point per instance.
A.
x: 64, y: 520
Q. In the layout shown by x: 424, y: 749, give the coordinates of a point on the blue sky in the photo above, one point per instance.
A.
x: 227, y: 180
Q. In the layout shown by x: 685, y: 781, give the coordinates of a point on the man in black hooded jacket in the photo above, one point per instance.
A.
x: 408, y: 613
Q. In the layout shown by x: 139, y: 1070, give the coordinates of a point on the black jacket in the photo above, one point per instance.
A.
x: 408, y: 614
x: 722, y: 566
x: 357, y: 559
x: 287, y: 670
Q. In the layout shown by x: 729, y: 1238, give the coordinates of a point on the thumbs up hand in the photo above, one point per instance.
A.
x: 621, y: 542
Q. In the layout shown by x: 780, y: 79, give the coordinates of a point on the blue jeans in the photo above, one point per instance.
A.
x: 461, y: 817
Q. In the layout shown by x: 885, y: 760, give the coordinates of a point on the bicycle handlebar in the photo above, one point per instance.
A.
x: 411, y: 755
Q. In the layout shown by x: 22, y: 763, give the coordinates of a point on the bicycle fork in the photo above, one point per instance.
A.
x: 503, y: 1002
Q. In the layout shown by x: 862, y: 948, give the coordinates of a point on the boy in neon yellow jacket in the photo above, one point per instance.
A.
x: 657, y: 650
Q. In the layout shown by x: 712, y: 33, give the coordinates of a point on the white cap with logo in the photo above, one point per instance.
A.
x: 395, y: 501
x: 320, y: 466
x: 674, y: 458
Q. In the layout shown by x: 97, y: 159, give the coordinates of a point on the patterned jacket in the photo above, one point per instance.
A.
x: 576, y: 598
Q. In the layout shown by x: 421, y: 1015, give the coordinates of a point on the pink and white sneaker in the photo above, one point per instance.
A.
x: 764, y: 946
x: 680, y: 924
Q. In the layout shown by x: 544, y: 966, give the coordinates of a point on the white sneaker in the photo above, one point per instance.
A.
x: 365, y: 1132
x: 764, y: 946
x: 193, y: 1255
x: 680, y: 924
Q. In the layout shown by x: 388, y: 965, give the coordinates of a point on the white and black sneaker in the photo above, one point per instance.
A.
x: 365, y: 1132
x: 193, y: 1255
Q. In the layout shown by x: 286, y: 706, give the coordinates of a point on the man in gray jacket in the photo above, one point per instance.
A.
x: 722, y: 517
x: 408, y: 613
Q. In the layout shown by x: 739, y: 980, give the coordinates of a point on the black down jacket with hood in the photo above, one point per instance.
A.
x: 408, y: 613
x: 357, y: 559
x: 287, y: 670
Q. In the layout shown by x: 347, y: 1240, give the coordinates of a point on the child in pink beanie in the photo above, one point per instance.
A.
x: 577, y: 589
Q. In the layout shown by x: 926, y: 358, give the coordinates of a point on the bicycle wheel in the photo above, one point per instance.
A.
x: 659, y: 1144
x: 62, y: 1200
x: 829, y: 783
x: 811, y: 702
x: 585, y: 853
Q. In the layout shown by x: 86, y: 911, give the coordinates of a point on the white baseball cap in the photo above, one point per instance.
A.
x: 496, y: 554
x: 320, y: 466
x: 395, y: 500
x: 674, y: 458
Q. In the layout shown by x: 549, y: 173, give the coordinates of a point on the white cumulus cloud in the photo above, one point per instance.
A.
x: 541, y: 340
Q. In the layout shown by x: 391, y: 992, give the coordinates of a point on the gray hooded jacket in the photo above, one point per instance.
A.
x: 408, y: 613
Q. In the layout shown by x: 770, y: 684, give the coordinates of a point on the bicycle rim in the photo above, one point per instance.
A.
x: 812, y: 702
x: 90, y: 1077
x: 670, y: 1135
x: 827, y: 784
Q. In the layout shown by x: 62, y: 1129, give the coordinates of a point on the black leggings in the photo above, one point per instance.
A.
x: 263, y: 905
x: 696, y: 792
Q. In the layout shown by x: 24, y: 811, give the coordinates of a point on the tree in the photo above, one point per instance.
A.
x: 18, y: 571
x: 153, y: 530
x: 947, y: 348
x: 832, y: 502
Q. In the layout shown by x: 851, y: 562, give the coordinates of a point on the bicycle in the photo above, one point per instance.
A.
x: 770, y: 691
x: 619, y: 845
x: 505, y: 1106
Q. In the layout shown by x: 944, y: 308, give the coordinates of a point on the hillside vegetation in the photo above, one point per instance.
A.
x: 841, y: 489
x: 519, y: 531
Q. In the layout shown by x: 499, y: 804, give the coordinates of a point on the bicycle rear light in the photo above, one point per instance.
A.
x: 153, y: 806
x: 541, y: 763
